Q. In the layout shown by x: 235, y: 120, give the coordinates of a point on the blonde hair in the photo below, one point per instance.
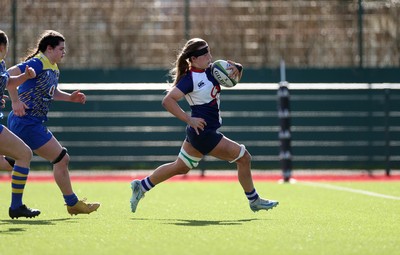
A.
x: 181, y: 65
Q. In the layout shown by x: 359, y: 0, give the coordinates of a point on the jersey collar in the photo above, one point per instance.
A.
x: 197, y: 70
x: 46, y: 62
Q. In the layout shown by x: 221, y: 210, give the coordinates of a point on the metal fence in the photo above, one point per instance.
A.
x: 258, y: 33
x: 333, y: 126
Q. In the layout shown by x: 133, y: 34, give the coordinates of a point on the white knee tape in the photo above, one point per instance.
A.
x: 241, y: 153
x: 189, y: 161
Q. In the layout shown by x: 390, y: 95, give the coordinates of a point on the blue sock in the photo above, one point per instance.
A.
x: 252, y: 195
x: 146, y: 184
x: 70, y: 200
x: 19, y: 177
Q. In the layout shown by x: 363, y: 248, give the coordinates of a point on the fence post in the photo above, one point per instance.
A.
x: 360, y: 33
x: 14, y: 32
x: 387, y: 131
x: 285, y: 154
x: 187, y: 19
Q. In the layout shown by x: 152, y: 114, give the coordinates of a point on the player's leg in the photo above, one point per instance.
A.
x: 187, y: 159
x: 229, y: 150
x: 58, y: 156
x: 233, y: 152
x: 50, y: 151
x: 14, y: 147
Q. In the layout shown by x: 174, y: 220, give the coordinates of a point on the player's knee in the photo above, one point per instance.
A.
x: 246, y: 159
x: 24, y: 157
x: 27, y: 154
x: 243, y: 157
x: 63, y: 157
x: 66, y: 159
x: 183, y: 169
x: 189, y: 161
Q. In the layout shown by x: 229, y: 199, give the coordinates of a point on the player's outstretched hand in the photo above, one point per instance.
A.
x: 78, y: 97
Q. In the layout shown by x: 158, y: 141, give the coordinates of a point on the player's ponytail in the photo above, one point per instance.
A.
x: 31, y: 54
x: 181, y: 67
x: 183, y: 58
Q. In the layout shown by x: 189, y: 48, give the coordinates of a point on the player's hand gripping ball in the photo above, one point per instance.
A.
x: 221, y: 73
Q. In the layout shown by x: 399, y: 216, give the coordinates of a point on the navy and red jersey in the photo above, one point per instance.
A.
x: 202, y: 93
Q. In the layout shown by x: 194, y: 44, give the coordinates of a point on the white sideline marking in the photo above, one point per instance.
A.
x: 359, y: 191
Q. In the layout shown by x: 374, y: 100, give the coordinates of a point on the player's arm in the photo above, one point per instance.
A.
x: 170, y: 103
x: 16, y: 79
x: 75, y: 97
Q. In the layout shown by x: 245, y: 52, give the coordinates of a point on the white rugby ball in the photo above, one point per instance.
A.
x: 221, y: 74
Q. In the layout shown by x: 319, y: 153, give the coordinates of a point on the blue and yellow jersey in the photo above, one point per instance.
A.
x: 4, y: 76
x: 38, y: 93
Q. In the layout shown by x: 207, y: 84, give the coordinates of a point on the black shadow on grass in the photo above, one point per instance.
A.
x: 33, y: 221
x: 27, y: 222
x: 11, y: 231
x: 198, y: 223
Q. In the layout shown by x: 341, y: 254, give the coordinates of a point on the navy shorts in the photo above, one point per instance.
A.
x: 30, y: 130
x: 205, y: 141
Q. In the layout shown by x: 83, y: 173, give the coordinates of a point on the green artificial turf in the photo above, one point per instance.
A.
x: 206, y: 218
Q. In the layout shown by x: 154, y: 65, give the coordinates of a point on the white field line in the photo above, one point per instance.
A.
x: 358, y: 191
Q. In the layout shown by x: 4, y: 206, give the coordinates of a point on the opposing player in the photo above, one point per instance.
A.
x: 10, y: 144
x: 193, y: 80
x: 30, y: 106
